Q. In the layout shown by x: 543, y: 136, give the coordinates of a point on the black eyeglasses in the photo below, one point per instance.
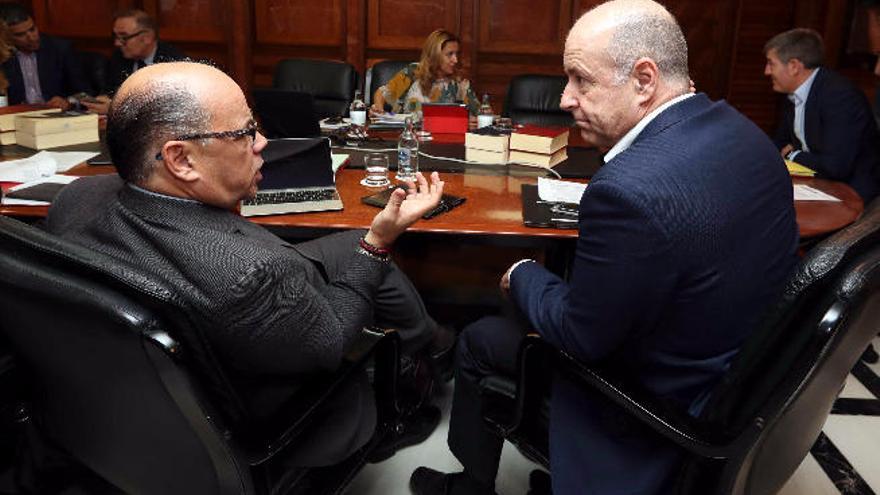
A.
x: 123, y: 38
x: 251, y: 131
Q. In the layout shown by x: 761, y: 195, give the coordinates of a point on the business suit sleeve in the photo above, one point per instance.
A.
x: 843, y: 115
x: 784, y: 134
x: 279, y: 323
x: 619, y: 279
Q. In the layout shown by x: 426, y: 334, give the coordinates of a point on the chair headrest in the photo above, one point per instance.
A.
x: 321, y: 78
x: 29, y: 243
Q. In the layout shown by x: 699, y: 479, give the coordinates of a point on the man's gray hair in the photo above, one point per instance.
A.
x: 650, y: 35
x: 801, y: 44
x: 142, y: 120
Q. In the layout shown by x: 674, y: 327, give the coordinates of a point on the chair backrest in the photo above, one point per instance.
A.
x: 111, y: 391
x: 784, y: 381
x: 379, y: 74
x: 534, y: 99
x: 94, y: 67
x: 331, y: 83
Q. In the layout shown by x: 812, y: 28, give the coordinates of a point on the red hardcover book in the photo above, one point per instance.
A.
x: 534, y: 139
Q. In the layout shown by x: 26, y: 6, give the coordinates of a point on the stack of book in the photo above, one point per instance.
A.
x: 487, y: 145
x: 56, y: 129
x: 543, y: 146
x: 8, y: 115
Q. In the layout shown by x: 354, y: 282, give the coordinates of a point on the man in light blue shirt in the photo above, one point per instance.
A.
x: 826, y: 124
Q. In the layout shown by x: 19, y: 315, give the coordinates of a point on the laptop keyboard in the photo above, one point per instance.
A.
x: 278, y: 197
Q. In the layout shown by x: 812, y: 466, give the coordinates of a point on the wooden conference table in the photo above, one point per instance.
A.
x: 493, y: 207
x: 456, y: 258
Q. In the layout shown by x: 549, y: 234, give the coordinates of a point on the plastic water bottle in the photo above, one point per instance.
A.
x: 485, y: 117
x: 407, y: 153
x: 357, y: 112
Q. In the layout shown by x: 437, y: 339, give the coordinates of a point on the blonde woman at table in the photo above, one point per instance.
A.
x: 434, y: 79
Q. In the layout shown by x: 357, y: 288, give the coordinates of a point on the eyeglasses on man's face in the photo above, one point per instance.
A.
x: 250, y: 131
x: 124, y: 38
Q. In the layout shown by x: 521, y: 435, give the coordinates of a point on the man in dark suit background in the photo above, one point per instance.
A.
x: 826, y: 122
x: 274, y: 313
x: 136, y: 37
x: 686, y: 235
x: 43, y: 69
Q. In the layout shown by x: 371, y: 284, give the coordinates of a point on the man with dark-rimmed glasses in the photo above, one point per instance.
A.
x: 136, y: 38
x: 275, y: 314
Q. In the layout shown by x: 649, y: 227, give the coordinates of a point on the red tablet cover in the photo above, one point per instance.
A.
x: 445, y: 118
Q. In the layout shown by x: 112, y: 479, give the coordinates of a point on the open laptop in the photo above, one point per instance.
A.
x: 297, y: 178
x: 286, y: 114
x: 445, y: 118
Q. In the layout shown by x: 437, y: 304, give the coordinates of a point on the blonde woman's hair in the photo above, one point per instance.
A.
x: 432, y: 51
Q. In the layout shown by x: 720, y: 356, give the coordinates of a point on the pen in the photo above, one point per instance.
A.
x: 564, y: 220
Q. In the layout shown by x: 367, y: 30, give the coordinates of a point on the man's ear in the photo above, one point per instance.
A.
x: 177, y: 160
x: 795, y: 66
x: 646, y: 76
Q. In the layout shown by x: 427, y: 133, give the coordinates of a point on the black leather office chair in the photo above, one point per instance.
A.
x: 94, y: 67
x: 769, y: 408
x: 534, y: 99
x: 10, y: 395
x: 331, y: 83
x: 379, y: 74
x: 126, y: 385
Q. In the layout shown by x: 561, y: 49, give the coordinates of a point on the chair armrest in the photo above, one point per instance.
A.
x: 519, y: 400
x: 300, y: 410
x: 668, y: 421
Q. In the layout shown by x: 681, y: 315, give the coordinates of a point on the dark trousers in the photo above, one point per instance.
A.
x: 397, y: 303
x: 487, y: 347
x: 348, y: 421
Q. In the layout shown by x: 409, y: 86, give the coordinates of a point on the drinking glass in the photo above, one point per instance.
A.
x: 376, y: 165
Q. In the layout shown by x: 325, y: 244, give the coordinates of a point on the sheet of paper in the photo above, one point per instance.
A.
x: 326, y: 126
x: 804, y: 192
x: 337, y: 160
x: 58, y: 179
x: 66, y: 160
x: 560, y: 191
x: 390, y: 118
x: 39, y: 165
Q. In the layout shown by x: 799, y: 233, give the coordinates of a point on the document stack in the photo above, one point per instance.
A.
x: 543, y: 146
x: 9, y: 114
x: 487, y: 145
x: 59, y: 129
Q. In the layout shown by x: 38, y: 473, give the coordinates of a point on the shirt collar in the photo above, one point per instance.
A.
x: 21, y: 54
x: 800, y: 95
x: 160, y: 195
x: 633, y: 133
x: 149, y: 59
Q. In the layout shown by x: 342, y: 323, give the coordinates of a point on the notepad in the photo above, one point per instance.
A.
x: 798, y: 170
x: 803, y: 192
x: 560, y: 191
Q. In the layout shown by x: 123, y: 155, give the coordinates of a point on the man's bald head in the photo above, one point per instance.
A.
x: 156, y: 104
x: 635, y: 29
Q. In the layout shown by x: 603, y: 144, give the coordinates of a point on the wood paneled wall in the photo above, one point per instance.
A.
x: 501, y: 38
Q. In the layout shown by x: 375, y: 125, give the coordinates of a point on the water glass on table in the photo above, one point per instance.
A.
x: 376, y: 166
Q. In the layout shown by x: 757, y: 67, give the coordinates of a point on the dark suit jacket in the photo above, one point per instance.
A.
x: 840, y: 131
x: 269, y: 316
x: 120, y: 67
x: 685, y: 238
x: 59, y: 69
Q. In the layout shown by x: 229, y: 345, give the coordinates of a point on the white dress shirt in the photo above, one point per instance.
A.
x: 633, y: 133
x: 799, y: 98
